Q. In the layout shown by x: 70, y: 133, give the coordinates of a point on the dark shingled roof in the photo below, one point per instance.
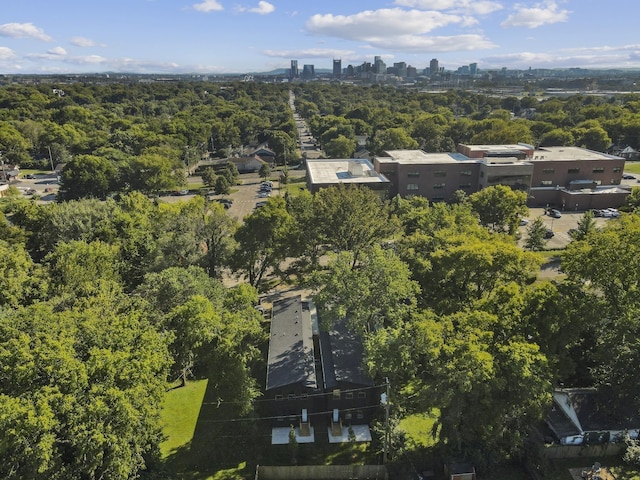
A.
x: 291, y: 360
x: 342, y: 355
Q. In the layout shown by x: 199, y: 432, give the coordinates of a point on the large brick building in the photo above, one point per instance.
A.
x: 566, y: 177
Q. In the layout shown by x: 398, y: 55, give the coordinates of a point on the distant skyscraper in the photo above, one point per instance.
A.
x: 400, y: 69
x: 294, y: 69
x: 473, y: 68
x: 434, y: 68
x: 337, y: 68
x: 308, y: 72
x: 378, y: 65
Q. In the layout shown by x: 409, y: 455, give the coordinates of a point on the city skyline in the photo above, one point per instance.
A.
x: 223, y: 37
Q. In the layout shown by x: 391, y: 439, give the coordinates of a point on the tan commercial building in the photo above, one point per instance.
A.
x: 349, y: 171
x: 570, y: 178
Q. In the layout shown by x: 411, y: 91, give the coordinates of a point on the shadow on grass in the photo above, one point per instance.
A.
x: 228, y: 446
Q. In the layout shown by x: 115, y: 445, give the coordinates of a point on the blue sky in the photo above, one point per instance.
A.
x: 239, y: 36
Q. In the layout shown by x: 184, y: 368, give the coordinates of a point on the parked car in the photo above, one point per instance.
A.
x: 628, y: 176
x: 524, y: 221
x: 30, y: 176
x: 552, y: 212
x: 549, y: 233
x: 264, y: 194
x: 612, y: 212
x: 181, y: 192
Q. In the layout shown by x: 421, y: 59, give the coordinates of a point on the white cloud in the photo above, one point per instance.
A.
x: 391, y: 22
x: 208, y: 6
x: 85, y: 42
x: 6, y: 53
x: 263, y: 8
x: 626, y: 56
x: 309, y: 53
x: 540, y: 14
x: 420, y: 44
x: 57, y: 51
x: 23, y: 30
x: 398, y: 29
x: 482, y: 7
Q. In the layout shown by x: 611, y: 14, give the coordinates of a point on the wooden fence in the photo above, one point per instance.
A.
x: 576, y: 451
x: 323, y: 472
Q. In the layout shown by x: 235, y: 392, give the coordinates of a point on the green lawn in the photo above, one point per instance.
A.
x: 632, y: 167
x: 180, y: 415
x: 419, y: 429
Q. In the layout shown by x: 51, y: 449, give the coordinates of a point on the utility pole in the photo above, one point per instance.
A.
x: 384, y: 400
x: 51, y: 159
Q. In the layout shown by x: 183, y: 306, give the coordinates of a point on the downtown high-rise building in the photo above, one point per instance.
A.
x: 434, y: 67
x: 294, y: 73
x: 337, y: 68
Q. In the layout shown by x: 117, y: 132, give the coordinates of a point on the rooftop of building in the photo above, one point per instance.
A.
x: 570, y: 153
x: 345, y: 170
x: 291, y: 359
x: 409, y: 157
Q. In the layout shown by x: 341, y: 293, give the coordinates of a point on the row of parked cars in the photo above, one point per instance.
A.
x: 606, y: 212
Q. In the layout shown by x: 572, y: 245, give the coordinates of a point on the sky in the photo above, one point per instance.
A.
x: 243, y: 36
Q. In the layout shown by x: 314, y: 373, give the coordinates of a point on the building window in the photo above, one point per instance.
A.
x: 438, y: 186
x: 546, y: 183
x: 359, y: 415
x: 466, y: 173
x: 548, y: 171
x: 412, y: 186
x: 291, y: 396
x: 348, y: 395
x: 413, y: 174
x: 573, y: 170
x: 598, y: 170
x: 280, y: 419
x: 347, y: 416
x: 387, y: 173
x: 464, y: 186
x: 362, y: 394
x: 617, y: 169
x: 279, y: 396
x: 437, y: 199
x: 439, y: 174
x: 336, y: 394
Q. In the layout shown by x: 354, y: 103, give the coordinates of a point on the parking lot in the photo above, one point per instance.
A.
x: 559, y: 226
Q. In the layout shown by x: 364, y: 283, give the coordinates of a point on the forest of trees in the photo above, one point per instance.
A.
x: 105, y: 303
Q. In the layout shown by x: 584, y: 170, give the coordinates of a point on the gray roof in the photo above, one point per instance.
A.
x: 291, y: 359
x: 342, y: 357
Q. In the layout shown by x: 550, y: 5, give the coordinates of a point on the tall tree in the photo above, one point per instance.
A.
x: 87, y: 176
x: 500, y: 207
x: 380, y: 291
x: 353, y: 218
x: 262, y: 241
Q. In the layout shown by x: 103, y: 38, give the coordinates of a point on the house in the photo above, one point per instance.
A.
x: 292, y: 380
x: 585, y: 416
x: 263, y: 153
x: 248, y: 164
x: 569, y: 178
x: 351, y: 393
x: 315, y: 378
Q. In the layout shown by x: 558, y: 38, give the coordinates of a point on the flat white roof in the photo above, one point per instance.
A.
x: 408, y: 157
x: 570, y: 153
x: 327, y: 171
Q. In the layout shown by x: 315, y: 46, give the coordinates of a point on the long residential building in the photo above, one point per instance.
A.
x: 570, y: 178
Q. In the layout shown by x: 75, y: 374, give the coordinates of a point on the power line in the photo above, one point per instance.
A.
x: 297, y: 397
x: 276, y: 417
